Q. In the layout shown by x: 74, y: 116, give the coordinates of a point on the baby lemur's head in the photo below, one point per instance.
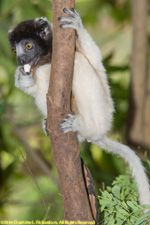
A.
x: 31, y: 42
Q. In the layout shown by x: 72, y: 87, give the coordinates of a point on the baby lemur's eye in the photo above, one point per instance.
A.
x: 29, y: 45
x: 14, y: 51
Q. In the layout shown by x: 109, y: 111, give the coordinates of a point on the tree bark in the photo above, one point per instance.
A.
x: 147, y: 111
x: 139, y: 111
x: 65, y: 150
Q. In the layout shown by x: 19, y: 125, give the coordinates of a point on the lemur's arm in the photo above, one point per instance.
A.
x: 25, y: 81
x: 84, y: 42
x: 86, y: 46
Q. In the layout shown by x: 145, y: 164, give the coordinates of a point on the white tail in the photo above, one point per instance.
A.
x: 138, y: 171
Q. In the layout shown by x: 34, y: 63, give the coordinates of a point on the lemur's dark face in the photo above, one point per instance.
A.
x: 31, y: 41
x: 28, y: 51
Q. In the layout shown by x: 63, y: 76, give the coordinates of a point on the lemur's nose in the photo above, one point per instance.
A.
x: 22, y: 60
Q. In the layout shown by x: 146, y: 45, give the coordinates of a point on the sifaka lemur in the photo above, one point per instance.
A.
x: 31, y: 41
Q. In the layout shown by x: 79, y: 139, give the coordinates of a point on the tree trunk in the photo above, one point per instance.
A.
x: 147, y: 110
x: 138, y: 132
x: 65, y: 150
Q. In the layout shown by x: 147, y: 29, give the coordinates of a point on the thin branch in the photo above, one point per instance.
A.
x: 37, y: 159
x: 26, y: 164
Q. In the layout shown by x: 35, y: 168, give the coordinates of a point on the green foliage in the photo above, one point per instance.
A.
x: 118, y: 10
x: 119, y: 204
x: 19, y: 197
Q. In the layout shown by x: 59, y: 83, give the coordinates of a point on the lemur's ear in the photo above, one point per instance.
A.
x: 43, y: 27
x: 9, y: 33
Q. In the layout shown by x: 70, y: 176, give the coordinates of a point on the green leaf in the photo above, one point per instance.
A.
x: 133, y: 205
x: 116, y: 191
x: 143, y: 220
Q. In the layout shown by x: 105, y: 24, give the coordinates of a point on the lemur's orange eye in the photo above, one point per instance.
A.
x: 28, y: 45
x: 14, y: 51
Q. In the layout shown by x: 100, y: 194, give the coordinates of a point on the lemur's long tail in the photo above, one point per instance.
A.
x: 138, y: 171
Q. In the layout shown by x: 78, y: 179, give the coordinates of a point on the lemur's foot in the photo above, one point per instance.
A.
x: 67, y: 124
x: 73, y: 21
x: 71, y: 123
x: 45, y: 127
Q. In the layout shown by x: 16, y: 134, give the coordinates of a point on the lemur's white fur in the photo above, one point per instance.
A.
x: 92, y: 95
